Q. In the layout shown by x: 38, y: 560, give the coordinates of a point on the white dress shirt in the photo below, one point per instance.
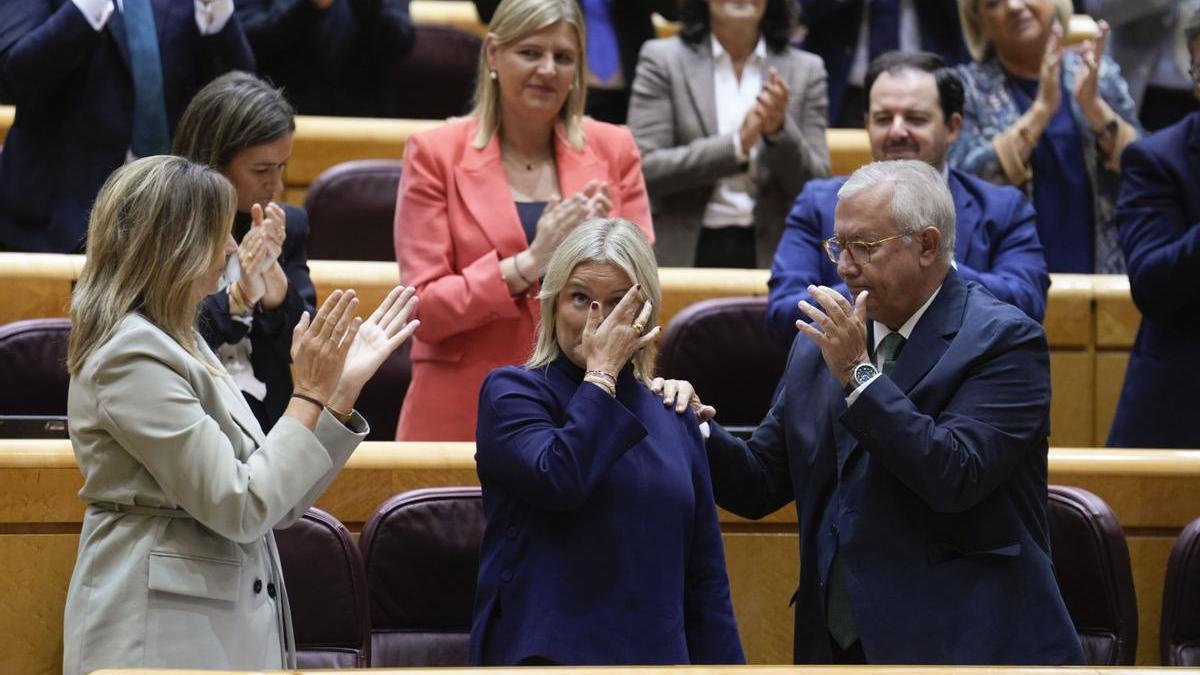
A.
x: 211, y: 16
x: 881, y: 331
x: 733, y: 197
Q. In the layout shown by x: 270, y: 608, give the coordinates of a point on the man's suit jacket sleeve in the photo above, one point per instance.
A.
x: 752, y: 479
x: 995, y: 418
x: 669, y: 167
x: 797, y: 264
x: 1162, y: 249
x: 149, y: 406
x: 40, y: 47
x: 521, y: 447
x: 1018, y: 272
x: 223, y: 51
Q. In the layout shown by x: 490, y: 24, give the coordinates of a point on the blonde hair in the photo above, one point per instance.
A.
x: 980, y: 48
x: 513, y: 21
x: 612, y: 241
x: 155, y: 229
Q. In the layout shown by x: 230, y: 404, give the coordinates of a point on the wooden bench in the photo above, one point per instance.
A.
x: 1153, y: 493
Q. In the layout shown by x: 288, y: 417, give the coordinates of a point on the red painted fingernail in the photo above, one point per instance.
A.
x: 637, y: 287
x: 595, y: 305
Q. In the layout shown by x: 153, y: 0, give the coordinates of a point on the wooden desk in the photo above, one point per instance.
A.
x: 1153, y: 492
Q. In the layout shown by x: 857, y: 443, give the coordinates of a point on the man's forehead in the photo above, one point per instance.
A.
x: 865, y: 213
x: 908, y: 88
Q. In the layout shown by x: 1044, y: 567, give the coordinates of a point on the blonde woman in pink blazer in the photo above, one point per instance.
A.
x: 486, y: 199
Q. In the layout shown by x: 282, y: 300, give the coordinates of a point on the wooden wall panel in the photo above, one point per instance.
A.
x: 1071, y: 384
x: 1110, y: 375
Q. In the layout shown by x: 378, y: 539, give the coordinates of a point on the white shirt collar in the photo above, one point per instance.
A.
x: 906, y: 329
x: 718, y: 51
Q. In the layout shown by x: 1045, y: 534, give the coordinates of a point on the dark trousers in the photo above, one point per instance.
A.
x: 1164, y: 107
x: 726, y: 247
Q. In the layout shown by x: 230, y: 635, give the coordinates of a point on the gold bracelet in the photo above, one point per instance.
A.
x: 608, y: 387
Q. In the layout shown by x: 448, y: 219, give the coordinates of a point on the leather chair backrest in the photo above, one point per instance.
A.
x: 1179, y: 633
x: 722, y: 347
x: 1091, y: 562
x: 327, y: 592
x: 33, y: 367
x: 351, y: 209
x: 437, y: 78
x: 422, y: 555
x: 381, y: 397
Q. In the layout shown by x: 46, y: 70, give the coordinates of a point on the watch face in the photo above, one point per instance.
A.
x: 863, y: 372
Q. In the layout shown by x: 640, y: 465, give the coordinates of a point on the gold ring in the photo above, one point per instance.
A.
x: 637, y: 326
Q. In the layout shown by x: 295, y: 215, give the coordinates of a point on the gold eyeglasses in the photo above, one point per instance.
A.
x: 860, y: 251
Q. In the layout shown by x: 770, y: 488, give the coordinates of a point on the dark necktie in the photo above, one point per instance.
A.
x: 150, y: 135
x: 883, y: 29
x: 603, y: 52
x: 890, y: 348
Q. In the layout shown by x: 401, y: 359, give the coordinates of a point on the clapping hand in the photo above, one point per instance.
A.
x: 377, y: 337
x: 840, y: 331
x: 1087, y: 83
x: 1049, y: 95
x: 560, y: 218
x: 772, y: 103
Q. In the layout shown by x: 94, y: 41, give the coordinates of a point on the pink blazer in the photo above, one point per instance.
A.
x: 455, y: 221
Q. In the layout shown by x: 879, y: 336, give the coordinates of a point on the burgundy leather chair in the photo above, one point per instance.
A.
x: 351, y: 208
x: 722, y: 347
x: 1091, y: 562
x: 422, y: 556
x: 327, y: 592
x: 1179, y: 633
x: 33, y: 368
x: 437, y: 78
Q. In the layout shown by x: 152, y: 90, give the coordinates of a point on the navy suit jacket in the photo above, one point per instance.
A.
x: 833, y: 35
x: 932, y: 485
x: 335, y: 61
x: 602, y: 544
x: 270, y: 332
x: 1158, y: 218
x: 74, y: 95
x: 996, y: 244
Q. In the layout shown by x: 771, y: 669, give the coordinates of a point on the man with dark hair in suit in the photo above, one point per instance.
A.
x: 1158, y: 219
x: 910, y: 431
x: 616, y: 30
x: 95, y: 83
x: 915, y: 113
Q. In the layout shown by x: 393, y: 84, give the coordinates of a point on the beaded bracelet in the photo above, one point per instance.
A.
x: 608, y: 377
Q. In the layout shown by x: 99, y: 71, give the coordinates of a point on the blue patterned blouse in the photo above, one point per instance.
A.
x: 990, y: 108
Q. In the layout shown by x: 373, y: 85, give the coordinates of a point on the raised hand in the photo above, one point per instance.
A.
x: 559, y: 219
x: 319, y: 346
x: 772, y: 103
x: 269, y: 225
x: 380, y: 335
x: 1049, y: 95
x: 609, y: 342
x: 840, y: 331
x: 1087, y: 82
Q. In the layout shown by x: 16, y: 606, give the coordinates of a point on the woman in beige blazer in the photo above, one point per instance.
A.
x: 730, y: 121
x: 177, y: 566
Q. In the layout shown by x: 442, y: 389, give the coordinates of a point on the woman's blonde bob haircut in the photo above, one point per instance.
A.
x: 613, y: 241
x: 156, y: 227
x: 514, y: 21
x: 972, y: 25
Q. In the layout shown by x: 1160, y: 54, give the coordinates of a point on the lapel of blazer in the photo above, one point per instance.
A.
x: 234, y: 400
x: 577, y: 167
x: 931, y: 336
x: 966, y: 217
x: 484, y: 189
x: 700, y: 85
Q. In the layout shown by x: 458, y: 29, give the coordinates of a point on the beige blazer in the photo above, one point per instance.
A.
x: 673, y: 117
x: 153, y: 427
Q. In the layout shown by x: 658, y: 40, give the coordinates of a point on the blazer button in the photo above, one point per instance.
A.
x: 506, y: 576
x: 257, y: 586
x: 511, y: 532
x: 271, y: 591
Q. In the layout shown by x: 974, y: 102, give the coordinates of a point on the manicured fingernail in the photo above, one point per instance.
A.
x: 595, y: 305
x: 637, y: 287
